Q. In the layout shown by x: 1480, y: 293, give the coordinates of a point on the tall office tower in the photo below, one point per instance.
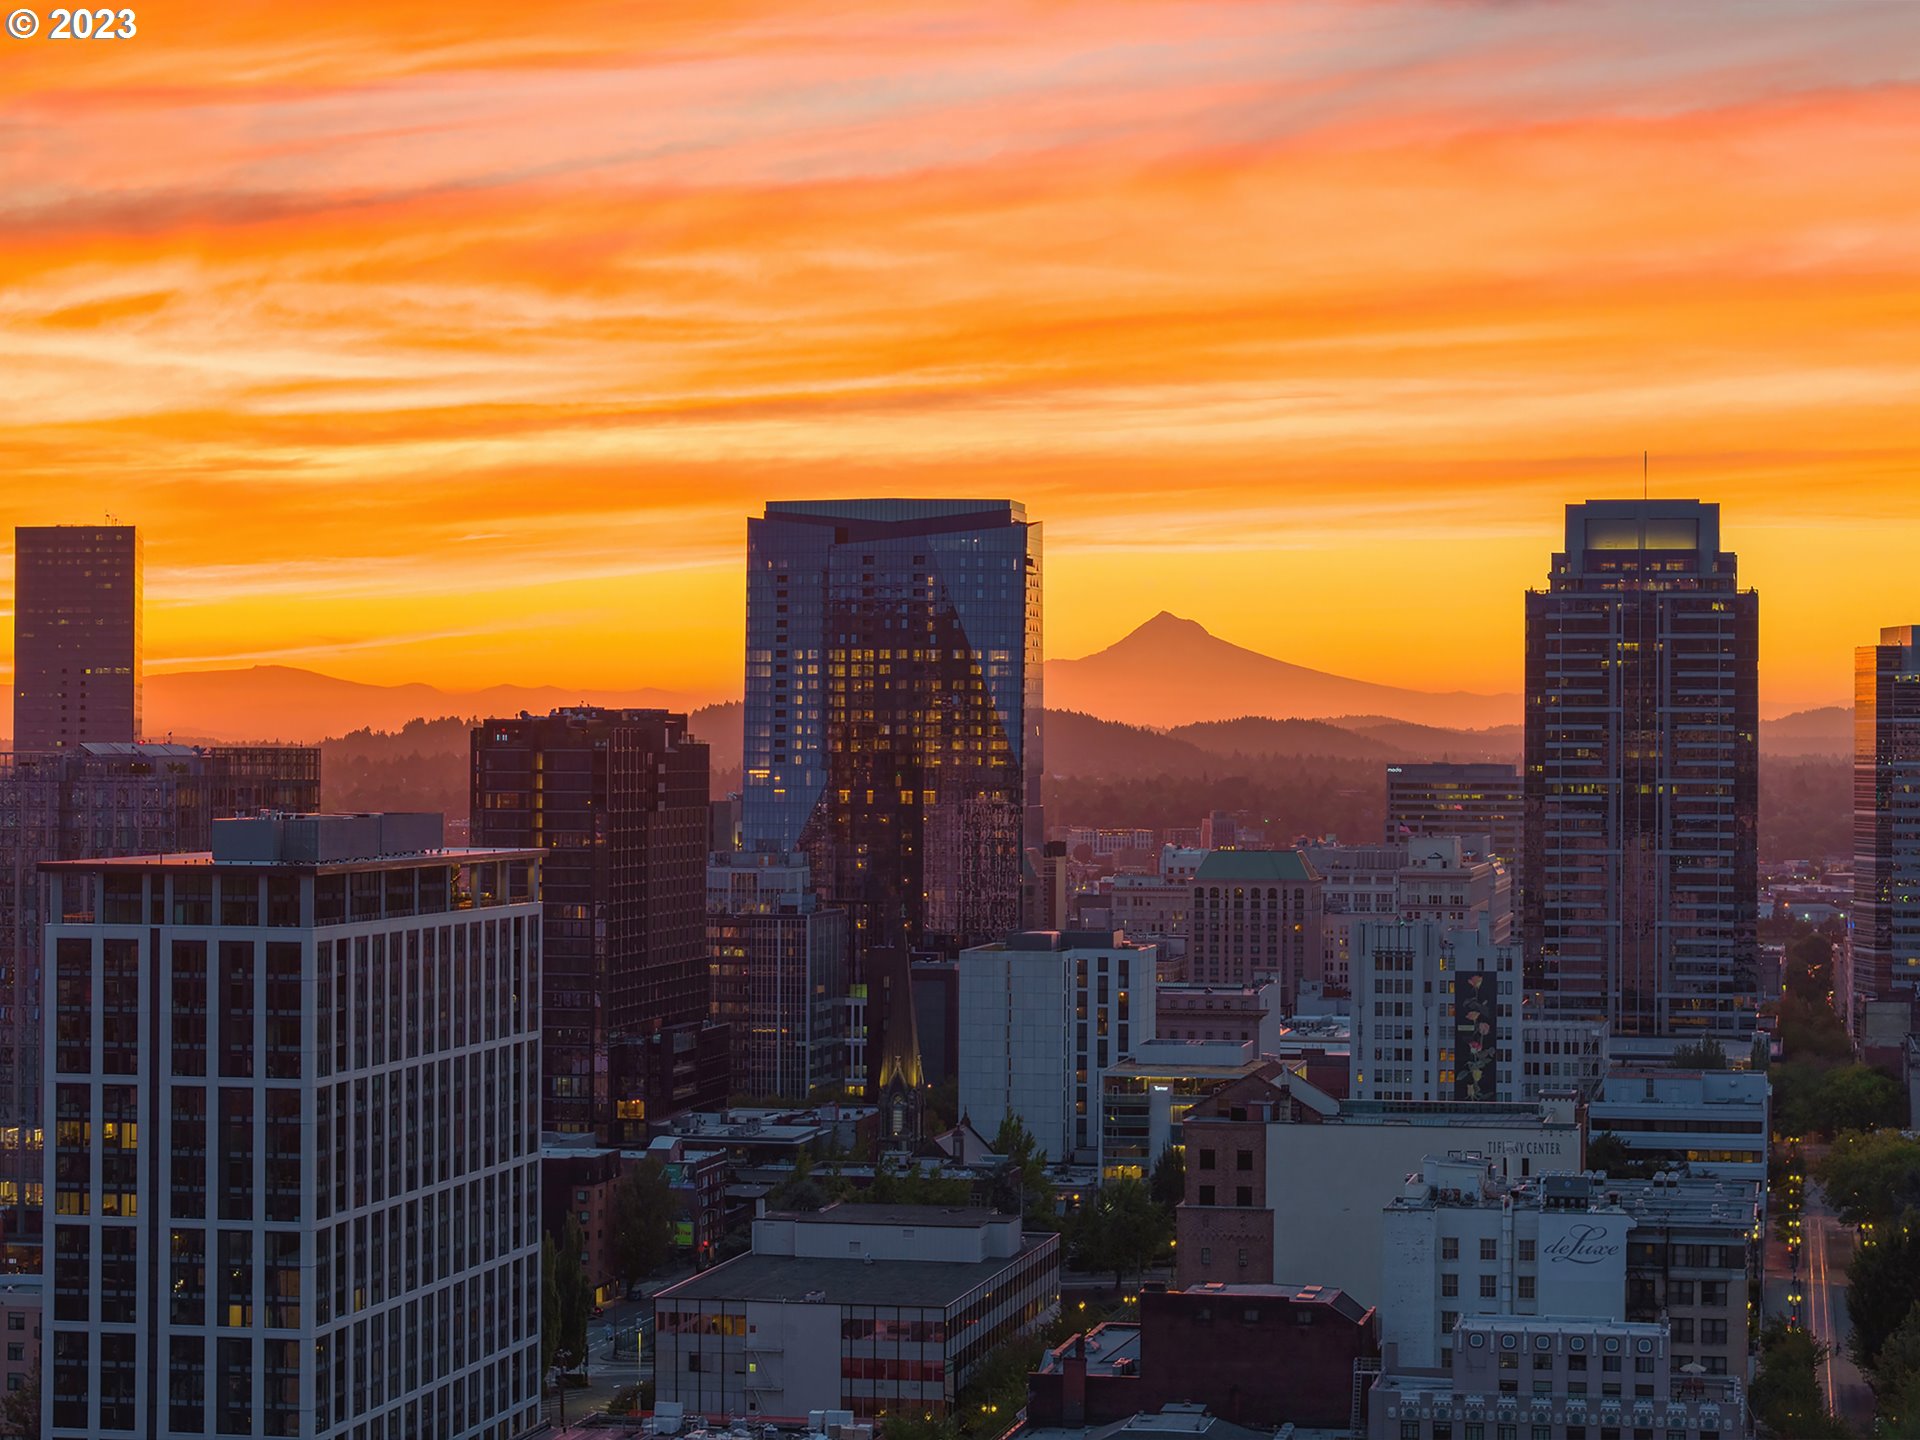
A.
x: 1442, y: 799
x: 617, y: 802
x: 1638, y: 887
x: 76, y: 635
x: 893, y: 709
x: 1885, y: 940
x: 95, y: 800
x: 293, y: 1176
x: 1257, y: 916
x: 779, y: 974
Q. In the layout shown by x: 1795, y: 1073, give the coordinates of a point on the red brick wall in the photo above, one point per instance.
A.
x: 1213, y: 1237
x: 1249, y: 1360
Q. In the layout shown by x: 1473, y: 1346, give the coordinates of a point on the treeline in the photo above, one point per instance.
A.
x: 1806, y: 808
x: 424, y: 765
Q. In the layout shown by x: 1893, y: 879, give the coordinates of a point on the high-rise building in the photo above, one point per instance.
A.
x: 617, y: 802
x: 1444, y: 799
x: 1639, y: 886
x: 1043, y: 1016
x: 76, y: 635
x: 293, y: 1170
x: 91, y: 801
x: 1884, y: 942
x: 779, y: 974
x: 1256, y: 917
x: 893, y: 709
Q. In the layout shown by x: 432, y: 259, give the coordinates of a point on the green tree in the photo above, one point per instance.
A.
x: 571, y: 1297
x: 1608, y: 1153
x: 20, y: 1411
x: 1119, y: 1230
x: 1871, y: 1176
x: 1168, y: 1182
x: 1883, y: 1280
x: 643, y: 1214
x: 549, y: 1302
x: 1700, y: 1055
x: 1022, y: 1183
x: 1786, y: 1392
x: 1859, y: 1097
x: 1896, y: 1373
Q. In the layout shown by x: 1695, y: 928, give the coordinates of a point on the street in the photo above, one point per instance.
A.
x: 1829, y: 1248
x: 615, y: 1359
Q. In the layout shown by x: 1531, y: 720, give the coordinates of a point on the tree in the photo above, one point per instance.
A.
x: 571, y: 1298
x: 1786, y: 1392
x: 1608, y: 1153
x: 1871, y: 1177
x: 643, y: 1216
x: 1168, y: 1182
x: 1120, y: 1230
x: 20, y: 1411
x: 549, y: 1303
x: 1859, y: 1097
x: 1896, y: 1373
x: 1022, y: 1185
x: 1700, y: 1055
x: 1883, y: 1280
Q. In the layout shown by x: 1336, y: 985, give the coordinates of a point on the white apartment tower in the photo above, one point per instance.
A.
x: 293, y: 1121
x: 1043, y: 1016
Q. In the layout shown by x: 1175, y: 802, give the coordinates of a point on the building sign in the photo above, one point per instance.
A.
x: 1583, y: 1264
x: 1476, y: 1049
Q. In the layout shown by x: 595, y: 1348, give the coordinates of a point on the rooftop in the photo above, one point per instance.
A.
x: 917, y: 1216
x: 1334, y: 1299
x: 800, y: 1279
x: 1258, y: 865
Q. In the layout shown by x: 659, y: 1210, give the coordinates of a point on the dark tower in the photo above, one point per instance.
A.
x: 616, y: 800
x: 1638, y: 882
x: 76, y: 635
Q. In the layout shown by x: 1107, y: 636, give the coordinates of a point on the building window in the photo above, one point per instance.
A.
x: 1489, y: 1287
x: 1243, y: 1196
x: 1206, y: 1159
x: 1449, y: 1284
x: 1526, y: 1252
x: 1449, y: 1248
x: 1525, y: 1283
x: 1489, y: 1250
x: 1206, y: 1195
x: 1713, y: 1332
x: 1243, y: 1160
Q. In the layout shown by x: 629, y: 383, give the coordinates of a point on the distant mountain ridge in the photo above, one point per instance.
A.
x: 1172, y: 671
x: 285, y: 703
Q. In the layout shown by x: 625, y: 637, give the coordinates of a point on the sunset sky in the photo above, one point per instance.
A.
x: 455, y: 342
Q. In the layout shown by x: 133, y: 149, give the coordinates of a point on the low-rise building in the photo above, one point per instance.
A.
x: 1258, y: 1355
x: 1693, y: 1262
x: 20, y: 1315
x: 1145, y: 1098
x: 1325, y: 1165
x: 1714, y: 1122
x: 876, y: 1309
x: 1553, y: 1379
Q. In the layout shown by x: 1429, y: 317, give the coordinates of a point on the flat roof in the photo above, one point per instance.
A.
x: 194, y: 859
x: 958, y: 1217
x: 790, y: 1279
x: 1261, y: 865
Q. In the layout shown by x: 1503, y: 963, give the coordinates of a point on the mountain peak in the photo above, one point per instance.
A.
x: 1166, y: 623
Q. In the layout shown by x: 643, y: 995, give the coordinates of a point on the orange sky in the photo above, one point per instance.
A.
x: 455, y: 342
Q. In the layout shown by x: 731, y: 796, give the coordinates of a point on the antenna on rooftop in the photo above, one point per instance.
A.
x: 1643, y: 475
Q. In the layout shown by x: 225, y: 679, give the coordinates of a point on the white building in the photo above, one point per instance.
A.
x: 1459, y: 1241
x: 1043, y: 1015
x: 293, y: 1180
x: 1435, y: 1013
x: 1447, y: 879
x: 868, y: 1308
x: 1715, y: 1122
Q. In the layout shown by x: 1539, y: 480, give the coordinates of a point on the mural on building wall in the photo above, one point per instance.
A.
x: 1476, y: 1050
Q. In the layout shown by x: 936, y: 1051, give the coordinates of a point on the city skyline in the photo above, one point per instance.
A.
x: 491, y: 393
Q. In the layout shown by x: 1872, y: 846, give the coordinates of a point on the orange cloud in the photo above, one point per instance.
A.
x: 456, y: 344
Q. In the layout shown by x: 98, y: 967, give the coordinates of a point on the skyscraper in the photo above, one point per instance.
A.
x: 1885, y: 940
x: 89, y: 802
x: 893, y: 709
x: 76, y: 635
x: 293, y: 1163
x: 617, y: 802
x: 1638, y: 884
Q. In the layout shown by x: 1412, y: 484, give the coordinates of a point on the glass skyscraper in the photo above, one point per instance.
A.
x: 1639, y: 874
x: 76, y: 635
x: 1885, y: 946
x: 893, y: 700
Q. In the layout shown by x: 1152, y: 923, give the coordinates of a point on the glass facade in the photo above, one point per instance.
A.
x: 1639, y: 882
x: 893, y: 702
x: 1886, y: 816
